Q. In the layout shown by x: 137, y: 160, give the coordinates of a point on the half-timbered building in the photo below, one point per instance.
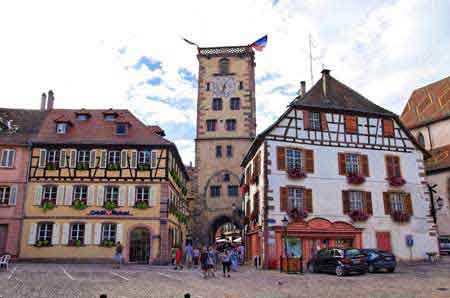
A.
x: 98, y: 177
x: 343, y: 171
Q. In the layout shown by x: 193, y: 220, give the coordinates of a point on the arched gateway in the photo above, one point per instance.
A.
x: 225, y: 228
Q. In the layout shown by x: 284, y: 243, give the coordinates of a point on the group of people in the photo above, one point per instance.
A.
x: 208, y: 258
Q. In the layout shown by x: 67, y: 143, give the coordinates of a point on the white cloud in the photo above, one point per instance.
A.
x: 382, y: 49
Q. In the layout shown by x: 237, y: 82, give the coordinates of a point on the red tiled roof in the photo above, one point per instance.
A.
x: 440, y: 159
x: 428, y: 104
x: 97, y: 130
x: 158, y: 130
x: 25, y: 124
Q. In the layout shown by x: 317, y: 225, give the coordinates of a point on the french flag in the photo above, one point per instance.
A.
x: 260, y: 44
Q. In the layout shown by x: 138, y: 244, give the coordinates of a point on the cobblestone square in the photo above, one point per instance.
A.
x: 89, y: 281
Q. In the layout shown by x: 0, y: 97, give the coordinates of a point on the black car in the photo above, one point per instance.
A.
x: 339, y: 261
x: 378, y: 260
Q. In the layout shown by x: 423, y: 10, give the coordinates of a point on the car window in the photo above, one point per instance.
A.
x: 352, y: 252
x: 337, y: 253
x: 321, y: 253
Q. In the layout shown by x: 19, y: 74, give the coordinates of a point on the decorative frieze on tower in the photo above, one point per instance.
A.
x: 226, y: 126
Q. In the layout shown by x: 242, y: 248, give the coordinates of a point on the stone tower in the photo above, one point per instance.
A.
x: 226, y: 126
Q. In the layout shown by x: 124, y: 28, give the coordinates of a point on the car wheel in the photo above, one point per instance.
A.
x: 372, y: 269
x: 340, y: 271
x: 391, y: 270
x: 312, y: 268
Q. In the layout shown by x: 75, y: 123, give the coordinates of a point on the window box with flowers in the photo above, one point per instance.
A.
x: 113, y: 167
x: 110, y: 205
x: 141, y: 205
x: 79, y: 204
x: 108, y: 243
x: 296, y: 173
x: 396, y: 181
x: 82, y: 166
x: 76, y: 243
x: 355, y: 179
x: 400, y: 217
x: 298, y: 215
x: 359, y: 215
x: 47, y: 205
x: 244, y: 189
x: 43, y: 243
x: 143, y: 167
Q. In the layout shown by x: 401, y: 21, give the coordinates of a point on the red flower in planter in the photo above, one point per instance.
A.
x: 396, y: 181
x: 400, y: 216
x: 358, y: 215
x: 296, y: 173
x: 355, y: 179
x: 244, y: 189
x: 297, y: 214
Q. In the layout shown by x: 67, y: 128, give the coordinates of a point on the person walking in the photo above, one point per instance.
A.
x: 211, y: 262
x: 242, y: 254
x: 118, y: 255
x: 196, y: 254
x: 189, y: 252
x: 173, y: 253
x: 226, y: 263
x: 178, y: 258
x: 204, y: 262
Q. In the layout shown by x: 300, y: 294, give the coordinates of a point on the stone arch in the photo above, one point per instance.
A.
x: 128, y: 240
x: 220, y: 220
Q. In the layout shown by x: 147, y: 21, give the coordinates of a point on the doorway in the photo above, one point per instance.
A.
x: 140, y: 246
x: 3, y: 238
x: 384, y: 241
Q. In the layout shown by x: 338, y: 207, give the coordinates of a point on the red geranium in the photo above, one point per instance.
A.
x: 358, y: 215
x: 298, y: 214
x: 400, y: 216
x: 296, y: 173
x: 396, y: 181
x: 355, y: 179
x: 244, y: 189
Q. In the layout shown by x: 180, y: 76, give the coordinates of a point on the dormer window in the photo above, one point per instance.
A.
x: 110, y: 117
x: 82, y: 117
x: 224, y: 66
x: 62, y: 127
x: 121, y: 128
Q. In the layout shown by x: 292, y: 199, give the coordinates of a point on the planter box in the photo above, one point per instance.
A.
x: 291, y: 265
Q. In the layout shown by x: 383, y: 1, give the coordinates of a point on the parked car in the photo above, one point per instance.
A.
x: 339, y: 261
x: 378, y: 260
x: 444, y: 245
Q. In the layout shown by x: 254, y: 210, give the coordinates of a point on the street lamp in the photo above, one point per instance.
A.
x: 285, y: 222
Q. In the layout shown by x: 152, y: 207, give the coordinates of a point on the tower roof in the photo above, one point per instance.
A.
x: 226, y: 51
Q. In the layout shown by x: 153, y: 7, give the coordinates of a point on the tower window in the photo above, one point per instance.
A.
x: 207, y: 86
x: 211, y: 124
x: 215, y: 191
x: 230, y: 124
x: 229, y: 151
x: 235, y: 103
x: 218, y: 151
x: 241, y: 85
x: 233, y: 190
x: 224, y: 66
x: 217, y: 104
x: 226, y: 177
x: 421, y: 139
x: 314, y: 120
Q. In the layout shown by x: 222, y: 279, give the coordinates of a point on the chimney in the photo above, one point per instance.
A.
x: 302, y: 90
x: 50, y: 101
x: 43, y: 99
x: 325, y: 76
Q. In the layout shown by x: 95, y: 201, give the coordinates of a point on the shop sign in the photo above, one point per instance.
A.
x: 109, y: 212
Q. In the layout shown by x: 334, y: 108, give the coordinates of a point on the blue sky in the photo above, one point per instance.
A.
x: 131, y: 54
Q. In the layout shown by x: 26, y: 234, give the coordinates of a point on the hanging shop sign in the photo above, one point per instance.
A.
x: 109, y: 212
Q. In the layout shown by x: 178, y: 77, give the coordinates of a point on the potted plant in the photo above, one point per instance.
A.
x: 297, y: 214
x: 141, y: 205
x: 355, y: 179
x: 113, y: 167
x: 396, y: 181
x: 79, y: 204
x: 108, y: 243
x: 82, y: 166
x: 47, y: 205
x: 42, y: 243
x: 358, y: 215
x: 296, y: 173
x: 110, y: 205
x: 51, y: 167
x: 143, y: 167
x: 400, y: 217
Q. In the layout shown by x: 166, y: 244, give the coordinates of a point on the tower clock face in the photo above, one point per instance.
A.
x: 223, y: 87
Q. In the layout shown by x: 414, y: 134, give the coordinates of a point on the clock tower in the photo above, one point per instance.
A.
x: 226, y: 126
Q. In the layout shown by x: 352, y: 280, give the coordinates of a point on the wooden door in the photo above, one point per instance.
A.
x: 3, y: 238
x: 384, y: 241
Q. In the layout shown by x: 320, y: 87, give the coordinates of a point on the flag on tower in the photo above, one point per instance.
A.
x: 190, y: 42
x: 260, y: 44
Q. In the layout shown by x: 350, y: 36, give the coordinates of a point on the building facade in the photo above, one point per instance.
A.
x: 344, y: 172
x: 427, y: 115
x: 225, y: 128
x: 99, y: 177
x: 16, y: 128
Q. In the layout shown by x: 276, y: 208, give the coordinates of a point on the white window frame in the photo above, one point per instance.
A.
x: 53, y: 157
x: 314, y: 120
x: 352, y: 165
x: 80, y: 192
x: 114, y: 157
x: 84, y: 157
x: 5, y: 194
x: 77, y: 231
x: 356, y: 199
x: 109, y: 232
x: 395, y: 199
x: 48, y: 191
x: 296, y: 198
x: 112, y: 194
x: 294, y: 159
x: 7, y: 161
x: 144, y: 157
x: 142, y: 194
x: 47, y: 230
